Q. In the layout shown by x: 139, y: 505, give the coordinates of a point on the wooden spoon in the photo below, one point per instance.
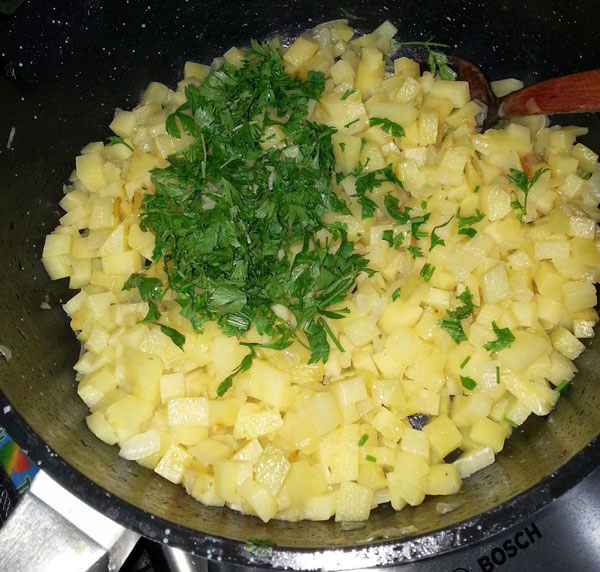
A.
x: 575, y: 93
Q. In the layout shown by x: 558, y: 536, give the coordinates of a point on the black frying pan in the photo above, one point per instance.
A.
x: 67, y: 65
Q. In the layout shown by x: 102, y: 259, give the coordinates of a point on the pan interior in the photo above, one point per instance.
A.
x: 60, y: 91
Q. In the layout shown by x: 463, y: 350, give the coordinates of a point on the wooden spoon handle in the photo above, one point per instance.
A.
x: 579, y: 92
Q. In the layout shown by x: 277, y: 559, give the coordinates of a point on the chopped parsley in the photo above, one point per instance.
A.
x: 371, y: 458
x: 363, y: 440
x: 427, y: 271
x: 520, y: 180
x: 504, y: 338
x: 468, y: 382
x: 347, y: 94
x: 394, y: 241
x: 416, y: 251
x: 465, y: 223
x: 562, y: 386
x: 396, y: 294
x: 437, y: 61
x: 177, y: 337
x: 114, y: 140
x: 370, y: 181
x: 497, y: 374
x: 435, y: 239
x: 388, y: 126
x: 510, y: 422
x: 229, y: 216
x: 476, y: 189
x: 451, y: 323
x: 585, y: 175
x: 465, y: 362
x: 392, y: 205
x: 350, y: 123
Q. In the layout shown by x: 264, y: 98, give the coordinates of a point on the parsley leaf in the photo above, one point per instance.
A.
x: 363, y: 440
x: 468, y: 382
x: 369, y: 182
x: 371, y: 458
x: 177, y: 337
x: 465, y: 362
x: 465, y: 223
x: 416, y: 251
x: 520, y: 180
x: 396, y: 294
x: 149, y: 288
x: 388, y: 126
x: 435, y: 239
x: 451, y: 323
x: 427, y: 271
x: 562, y: 386
x: 438, y: 62
x: 114, y: 140
x: 152, y: 315
x: 347, y: 94
x: 504, y: 338
x: 510, y: 422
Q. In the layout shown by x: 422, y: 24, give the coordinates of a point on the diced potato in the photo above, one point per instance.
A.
x: 353, y: 502
x: 443, y: 435
x: 443, y: 479
x: 172, y: 464
x: 141, y: 445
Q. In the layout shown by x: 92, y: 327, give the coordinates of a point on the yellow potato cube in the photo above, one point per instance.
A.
x: 353, y: 502
x: 489, y: 433
x: 370, y: 71
x: 443, y: 435
x: 443, y: 479
x: 172, y: 464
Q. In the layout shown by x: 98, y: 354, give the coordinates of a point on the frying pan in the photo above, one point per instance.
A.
x: 67, y: 66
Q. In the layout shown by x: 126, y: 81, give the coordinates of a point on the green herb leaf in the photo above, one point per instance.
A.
x: 520, y: 180
x: 435, y: 239
x: 468, y: 382
x: 416, y: 251
x: 347, y: 94
x: 388, y: 126
x: 427, y: 271
x: 152, y: 315
x: 371, y: 458
x: 114, y: 140
x: 177, y: 337
x: 465, y: 362
x: 438, y: 62
x: 396, y: 294
x: 350, y: 123
x: 562, y: 386
x: 504, y: 339
x: 497, y: 374
x: 245, y: 365
x: 451, y: 323
x: 510, y: 422
x: 476, y: 189
x: 363, y: 440
x: 149, y: 288
x: 585, y: 175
